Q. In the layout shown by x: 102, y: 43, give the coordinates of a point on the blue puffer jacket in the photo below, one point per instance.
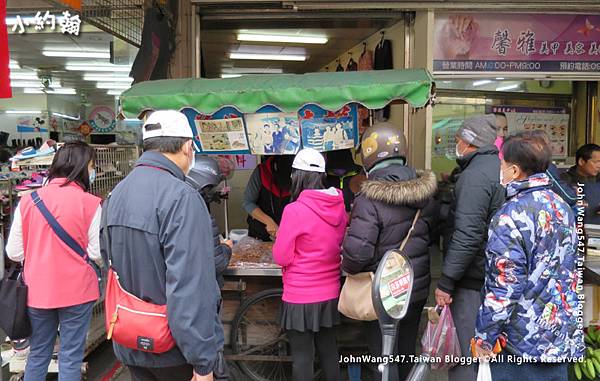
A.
x: 531, y: 276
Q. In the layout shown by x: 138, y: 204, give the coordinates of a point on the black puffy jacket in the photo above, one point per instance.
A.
x: 477, y: 196
x: 382, y: 216
x: 222, y: 253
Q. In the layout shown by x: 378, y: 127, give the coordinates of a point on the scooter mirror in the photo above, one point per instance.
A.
x: 392, y: 286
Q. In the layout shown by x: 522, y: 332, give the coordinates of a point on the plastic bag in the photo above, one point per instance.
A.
x: 484, y: 373
x: 440, y: 341
x: 419, y: 372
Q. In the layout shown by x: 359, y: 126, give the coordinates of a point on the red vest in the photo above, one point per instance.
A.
x: 56, y: 275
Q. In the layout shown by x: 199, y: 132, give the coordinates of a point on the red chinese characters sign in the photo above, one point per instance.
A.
x: 399, y: 286
x: 477, y: 42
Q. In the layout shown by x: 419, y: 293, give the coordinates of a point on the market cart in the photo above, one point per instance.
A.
x: 223, y: 115
x: 113, y: 164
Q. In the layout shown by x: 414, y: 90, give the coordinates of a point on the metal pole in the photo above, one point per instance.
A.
x: 226, y: 209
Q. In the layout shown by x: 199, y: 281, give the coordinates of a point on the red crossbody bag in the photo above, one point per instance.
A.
x: 131, y: 321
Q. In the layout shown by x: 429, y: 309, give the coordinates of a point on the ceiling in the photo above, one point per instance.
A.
x: 26, y: 51
x: 217, y: 44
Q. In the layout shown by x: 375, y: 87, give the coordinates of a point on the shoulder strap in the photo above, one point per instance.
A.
x: 56, y: 227
x: 411, y: 229
x: 104, y: 233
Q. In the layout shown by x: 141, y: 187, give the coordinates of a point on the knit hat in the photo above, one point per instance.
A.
x: 479, y: 130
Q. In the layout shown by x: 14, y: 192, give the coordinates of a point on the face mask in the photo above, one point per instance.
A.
x: 92, y: 176
x: 193, y: 163
x: 502, y: 179
x: 458, y: 153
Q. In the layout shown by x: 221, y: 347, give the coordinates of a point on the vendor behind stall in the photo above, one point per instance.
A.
x: 341, y: 169
x: 206, y: 176
x: 267, y: 193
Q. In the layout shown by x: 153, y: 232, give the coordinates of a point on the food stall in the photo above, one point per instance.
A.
x: 270, y: 115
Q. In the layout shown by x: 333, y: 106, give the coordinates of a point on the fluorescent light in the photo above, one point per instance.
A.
x: 266, y: 57
x: 72, y: 54
x: 114, y: 92
x: 14, y: 66
x: 64, y: 116
x: 282, y: 38
x: 23, y: 111
x: 509, y: 87
x: 499, y: 78
x: 106, y: 78
x: 230, y: 75
x: 24, y: 76
x: 112, y: 86
x: 36, y: 84
x: 482, y: 82
x: 113, y: 68
x: 61, y: 91
x: 251, y: 70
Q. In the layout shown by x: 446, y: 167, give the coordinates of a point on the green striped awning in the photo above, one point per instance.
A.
x: 288, y: 92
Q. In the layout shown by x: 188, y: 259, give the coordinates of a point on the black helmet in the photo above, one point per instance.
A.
x: 380, y: 142
x: 205, y: 176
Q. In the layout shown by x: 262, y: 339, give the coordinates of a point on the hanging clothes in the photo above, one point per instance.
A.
x: 383, y: 60
x: 364, y: 63
x: 352, y: 65
x: 339, y: 67
x: 366, y: 60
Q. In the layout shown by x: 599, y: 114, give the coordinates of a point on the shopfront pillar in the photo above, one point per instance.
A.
x: 183, y: 63
x: 420, y: 122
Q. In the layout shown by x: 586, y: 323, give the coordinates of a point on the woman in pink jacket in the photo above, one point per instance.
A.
x: 308, y: 248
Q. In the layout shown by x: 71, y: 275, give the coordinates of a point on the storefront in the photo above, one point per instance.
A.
x: 533, y: 71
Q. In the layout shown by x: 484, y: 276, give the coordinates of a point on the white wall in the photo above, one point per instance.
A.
x: 8, y: 122
x: 64, y: 104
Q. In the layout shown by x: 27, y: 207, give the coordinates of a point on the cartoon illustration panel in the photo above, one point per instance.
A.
x: 328, y: 130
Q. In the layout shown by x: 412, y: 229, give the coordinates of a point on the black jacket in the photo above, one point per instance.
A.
x: 222, y: 253
x: 160, y: 240
x: 382, y: 216
x: 478, y: 195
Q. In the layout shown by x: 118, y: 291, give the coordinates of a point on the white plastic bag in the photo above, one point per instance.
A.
x: 484, y: 373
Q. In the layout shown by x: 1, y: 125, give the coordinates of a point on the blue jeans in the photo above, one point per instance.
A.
x: 74, y: 324
x: 511, y: 371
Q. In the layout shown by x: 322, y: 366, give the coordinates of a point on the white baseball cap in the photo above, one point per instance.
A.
x: 310, y: 160
x: 169, y: 123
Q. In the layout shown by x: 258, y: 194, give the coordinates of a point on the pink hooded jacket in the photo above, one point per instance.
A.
x: 308, y: 246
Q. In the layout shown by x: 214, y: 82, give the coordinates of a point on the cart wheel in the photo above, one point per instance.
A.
x: 17, y: 377
x: 256, y: 331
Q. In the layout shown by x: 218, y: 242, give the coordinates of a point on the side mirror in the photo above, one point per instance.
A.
x: 392, y: 287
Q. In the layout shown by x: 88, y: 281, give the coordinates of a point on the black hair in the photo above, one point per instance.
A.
x: 71, y: 162
x: 585, y: 152
x: 165, y: 144
x: 528, y: 151
x: 341, y: 159
x: 302, y: 180
x: 281, y: 167
x: 542, y: 135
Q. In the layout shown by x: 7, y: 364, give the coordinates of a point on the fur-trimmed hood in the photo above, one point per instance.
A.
x: 409, y: 192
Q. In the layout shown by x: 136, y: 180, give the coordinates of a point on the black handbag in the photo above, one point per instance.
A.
x: 14, y: 320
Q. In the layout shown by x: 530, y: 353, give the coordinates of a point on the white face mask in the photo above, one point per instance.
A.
x: 502, y: 178
x: 193, y: 162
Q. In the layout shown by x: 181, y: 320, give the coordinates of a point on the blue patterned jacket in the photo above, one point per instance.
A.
x: 530, y: 299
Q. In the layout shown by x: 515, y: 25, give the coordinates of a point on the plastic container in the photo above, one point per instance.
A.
x: 237, y: 234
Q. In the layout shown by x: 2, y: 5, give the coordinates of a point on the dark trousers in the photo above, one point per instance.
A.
x: 511, y: 371
x: 175, y: 373
x: 406, y: 339
x: 464, y: 308
x: 303, y: 346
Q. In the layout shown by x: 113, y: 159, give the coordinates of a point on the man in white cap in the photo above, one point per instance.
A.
x: 157, y: 232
